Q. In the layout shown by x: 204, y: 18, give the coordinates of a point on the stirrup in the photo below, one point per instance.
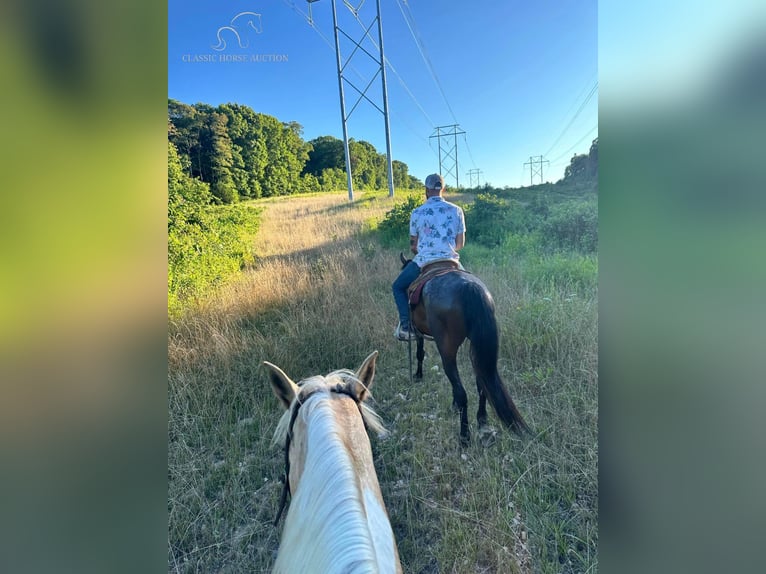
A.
x: 418, y: 333
x: 400, y: 336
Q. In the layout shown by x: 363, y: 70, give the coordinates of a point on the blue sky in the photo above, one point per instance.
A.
x: 520, y: 78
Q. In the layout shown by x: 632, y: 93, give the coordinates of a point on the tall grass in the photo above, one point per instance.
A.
x: 318, y: 298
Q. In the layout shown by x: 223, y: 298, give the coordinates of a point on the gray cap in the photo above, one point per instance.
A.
x: 435, y: 181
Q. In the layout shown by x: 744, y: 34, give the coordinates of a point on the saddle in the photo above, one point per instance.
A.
x: 428, y: 272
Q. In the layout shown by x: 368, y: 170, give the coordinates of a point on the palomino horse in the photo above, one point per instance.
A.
x: 337, y: 521
x: 454, y: 306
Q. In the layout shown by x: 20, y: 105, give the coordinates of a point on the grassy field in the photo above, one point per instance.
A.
x: 317, y: 298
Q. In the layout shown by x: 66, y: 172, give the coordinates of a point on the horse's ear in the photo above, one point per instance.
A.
x: 401, y: 256
x: 365, y: 374
x: 284, y: 388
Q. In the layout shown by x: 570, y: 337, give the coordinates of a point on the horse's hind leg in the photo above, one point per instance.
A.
x: 487, y: 435
x: 420, y: 355
x: 459, y: 397
x: 481, y: 414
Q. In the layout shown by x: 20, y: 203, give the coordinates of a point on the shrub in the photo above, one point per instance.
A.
x: 572, y: 225
x: 206, y: 244
x: 490, y: 219
x: 205, y: 253
x: 309, y: 183
x: 395, y: 226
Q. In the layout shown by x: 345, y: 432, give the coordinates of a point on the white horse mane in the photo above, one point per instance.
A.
x: 342, y: 377
x: 335, y: 522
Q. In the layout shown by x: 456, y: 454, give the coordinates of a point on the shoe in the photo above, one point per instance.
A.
x: 402, y: 333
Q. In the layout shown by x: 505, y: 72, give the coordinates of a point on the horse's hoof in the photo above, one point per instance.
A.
x: 487, y: 436
x: 419, y: 377
x: 465, y: 441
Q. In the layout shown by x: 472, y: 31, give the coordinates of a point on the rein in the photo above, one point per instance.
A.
x: 340, y: 389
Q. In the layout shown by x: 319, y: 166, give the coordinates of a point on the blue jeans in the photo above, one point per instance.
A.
x: 399, y: 287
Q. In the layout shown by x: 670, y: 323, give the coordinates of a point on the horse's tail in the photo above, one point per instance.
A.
x: 479, y: 312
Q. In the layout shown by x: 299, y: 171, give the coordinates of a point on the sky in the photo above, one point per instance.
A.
x: 653, y: 60
x: 519, y: 78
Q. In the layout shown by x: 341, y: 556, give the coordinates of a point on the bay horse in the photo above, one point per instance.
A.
x: 337, y: 520
x: 455, y: 306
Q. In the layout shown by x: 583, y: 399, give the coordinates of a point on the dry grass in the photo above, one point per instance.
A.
x: 317, y: 299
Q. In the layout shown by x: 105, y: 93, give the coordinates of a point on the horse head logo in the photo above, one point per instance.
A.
x: 239, y: 27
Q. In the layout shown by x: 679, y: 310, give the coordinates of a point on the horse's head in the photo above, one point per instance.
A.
x: 342, y: 393
x: 330, y: 473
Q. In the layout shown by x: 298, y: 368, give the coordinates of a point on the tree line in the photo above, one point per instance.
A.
x: 583, y: 167
x: 242, y: 154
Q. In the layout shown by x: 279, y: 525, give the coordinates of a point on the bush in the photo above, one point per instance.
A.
x: 395, y: 226
x: 204, y: 253
x: 206, y: 244
x: 572, y: 225
x: 333, y: 179
x: 490, y: 219
x: 310, y: 184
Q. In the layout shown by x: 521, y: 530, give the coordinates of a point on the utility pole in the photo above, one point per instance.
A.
x: 343, y: 80
x: 471, y: 173
x: 532, y: 171
x: 450, y: 151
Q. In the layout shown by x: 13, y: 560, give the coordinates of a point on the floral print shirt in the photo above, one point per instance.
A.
x: 436, y: 223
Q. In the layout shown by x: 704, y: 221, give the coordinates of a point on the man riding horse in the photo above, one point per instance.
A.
x: 437, y: 233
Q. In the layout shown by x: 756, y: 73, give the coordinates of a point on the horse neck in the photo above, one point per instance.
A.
x: 336, y: 518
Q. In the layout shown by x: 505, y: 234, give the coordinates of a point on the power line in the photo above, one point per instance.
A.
x: 310, y: 20
x: 574, y: 117
x: 423, y: 54
x: 354, y: 10
x: 578, y: 142
x: 469, y: 150
x: 586, y: 87
x: 391, y: 67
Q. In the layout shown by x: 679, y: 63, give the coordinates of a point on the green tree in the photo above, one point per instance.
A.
x: 583, y: 167
x: 249, y: 143
x: 184, y: 133
x: 187, y: 196
x: 241, y: 153
x: 333, y: 179
x: 217, y: 150
x: 593, y: 159
x: 287, y: 154
x: 401, y: 177
x: 326, y: 153
x: 363, y: 164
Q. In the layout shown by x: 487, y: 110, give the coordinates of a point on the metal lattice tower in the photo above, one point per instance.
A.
x: 449, y: 165
x: 343, y: 80
x: 532, y: 171
x: 477, y: 172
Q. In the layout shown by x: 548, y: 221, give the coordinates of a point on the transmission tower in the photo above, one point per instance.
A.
x: 532, y: 171
x: 379, y: 70
x: 450, y: 151
x: 477, y: 173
